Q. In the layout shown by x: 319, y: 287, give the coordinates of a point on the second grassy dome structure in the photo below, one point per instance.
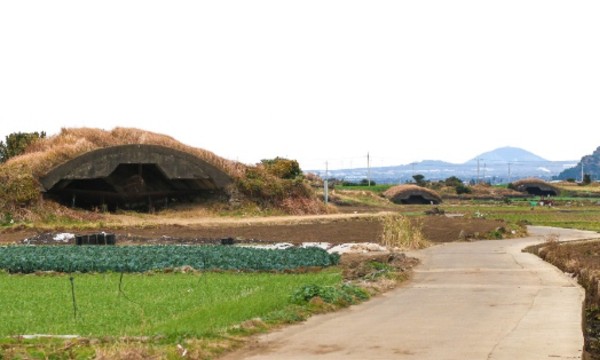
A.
x: 412, y: 194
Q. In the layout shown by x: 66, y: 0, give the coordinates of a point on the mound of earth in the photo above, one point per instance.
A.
x: 359, y: 266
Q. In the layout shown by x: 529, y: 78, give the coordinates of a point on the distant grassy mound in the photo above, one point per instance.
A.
x: 20, y: 190
x: 534, y: 186
x: 412, y: 194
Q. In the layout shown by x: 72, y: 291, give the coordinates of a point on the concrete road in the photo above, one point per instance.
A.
x: 478, y: 300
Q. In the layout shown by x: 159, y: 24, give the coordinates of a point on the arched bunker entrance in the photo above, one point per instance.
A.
x: 418, y: 200
x: 540, y: 190
x: 139, y: 177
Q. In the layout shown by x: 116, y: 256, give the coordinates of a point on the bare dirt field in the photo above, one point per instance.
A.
x: 334, y: 229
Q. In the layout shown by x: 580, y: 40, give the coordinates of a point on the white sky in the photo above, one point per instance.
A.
x: 314, y: 81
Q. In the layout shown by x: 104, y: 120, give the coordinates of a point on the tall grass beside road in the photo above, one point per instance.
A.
x: 400, y: 232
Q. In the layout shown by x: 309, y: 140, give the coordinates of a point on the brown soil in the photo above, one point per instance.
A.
x: 335, y: 232
x: 335, y: 229
x: 444, y: 229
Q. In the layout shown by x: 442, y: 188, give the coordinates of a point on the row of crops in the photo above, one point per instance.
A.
x: 28, y: 259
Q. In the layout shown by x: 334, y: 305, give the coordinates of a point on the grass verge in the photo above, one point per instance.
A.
x: 574, y: 215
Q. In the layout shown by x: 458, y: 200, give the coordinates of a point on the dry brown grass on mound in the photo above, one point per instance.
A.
x: 48, y: 153
x: 405, y: 191
x: 20, y: 190
x: 530, y: 181
x: 305, y: 206
x: 19, y: 187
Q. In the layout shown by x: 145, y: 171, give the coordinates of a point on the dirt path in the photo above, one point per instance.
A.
x: 480, y: 300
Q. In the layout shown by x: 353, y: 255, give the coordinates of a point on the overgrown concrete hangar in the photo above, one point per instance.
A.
x: 133, y: 177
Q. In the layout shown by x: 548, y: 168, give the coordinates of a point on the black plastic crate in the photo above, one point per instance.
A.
x: 96, y: 239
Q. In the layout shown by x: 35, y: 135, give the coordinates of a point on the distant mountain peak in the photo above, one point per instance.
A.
x: 507, y: 154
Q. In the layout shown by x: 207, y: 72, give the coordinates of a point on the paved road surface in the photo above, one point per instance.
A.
x: 480, y: 300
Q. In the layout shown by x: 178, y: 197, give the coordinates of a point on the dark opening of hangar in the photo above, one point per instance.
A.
x: 539, y: 191
x: 412, y: 194
x: 138, y: 177
x: 418, y: 200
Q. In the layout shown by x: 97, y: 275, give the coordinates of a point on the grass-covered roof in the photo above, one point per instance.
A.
x: 404, y: 193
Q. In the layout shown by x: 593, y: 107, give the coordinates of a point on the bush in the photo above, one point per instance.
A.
x: 379, y: 270
x: 367, y: 182
x: 7, y: 219
x: 18, y: 188
x: 435, y: 185
x: 290, y: 195
x: 453, y: 181
x: 282, y: 168
x: 462, y: 189
x: 342, y: 295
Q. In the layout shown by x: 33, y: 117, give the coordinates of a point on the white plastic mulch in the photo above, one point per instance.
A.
x: 360, y: 248
x: 64, y: 237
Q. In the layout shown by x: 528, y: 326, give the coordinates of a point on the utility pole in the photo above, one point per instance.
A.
x: 368, y: 170
x: 478, y: 178
x: 484, y: 169
x: 582, y: 171
x: 325, y: 183
x: 509, y: 173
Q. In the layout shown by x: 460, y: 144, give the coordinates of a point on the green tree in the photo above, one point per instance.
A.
x: 420, y: 179
x: 587, y: 179
x: 17, y: 143
x: 453, y: 181
x: 462, y: 189
x: 366, y: 182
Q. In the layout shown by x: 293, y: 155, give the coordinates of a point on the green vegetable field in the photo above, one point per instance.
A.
x: 28, y: 259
